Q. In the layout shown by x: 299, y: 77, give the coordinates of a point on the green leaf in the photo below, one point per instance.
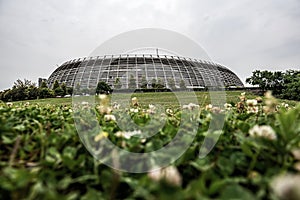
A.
x: 246, y: 149
x: 226, y: 166
x: 7, y: 140
x: 92, y: 194
x: 236, y: 191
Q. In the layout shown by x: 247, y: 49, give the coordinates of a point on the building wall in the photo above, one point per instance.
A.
x: 195, y: 73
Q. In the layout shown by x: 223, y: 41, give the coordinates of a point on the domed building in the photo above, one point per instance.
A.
x: 135, y: 71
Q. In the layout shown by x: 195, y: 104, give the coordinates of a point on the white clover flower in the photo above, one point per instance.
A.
x: 259, y: 99
x: 170, y: 174
x: 190, y: 106
x: 253, y: 109
x: 285, y: 105
x: 134, y: 101
x: 208, y: 107
x: 271, y: 103
x: 269, y: 95
x: 185, y: 106
x: 251, y: 102
x: 102, y: 96
x: 27, y: 104
x: 227, y: 106
x: 169, y: 111
x: 104, y: 109
x: 109, y: 118
x: 217, y: 110
x: 263, y: 131
x: 134, y: 110
x: 296, y: 154
x: 9, y: 104
x: 151, y: 109
x: 286, y: 186
x: 243, y: 96
x: 116, y: 106
x: 84, y: 103
x: 128, y: 134
x: 151, y: 106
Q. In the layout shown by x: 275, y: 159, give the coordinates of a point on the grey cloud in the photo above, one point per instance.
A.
x: 244, y: 35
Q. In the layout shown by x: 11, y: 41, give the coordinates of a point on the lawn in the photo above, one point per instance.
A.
x: 163, y: 98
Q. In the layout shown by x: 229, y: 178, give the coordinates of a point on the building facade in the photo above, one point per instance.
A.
x: 140, y: 71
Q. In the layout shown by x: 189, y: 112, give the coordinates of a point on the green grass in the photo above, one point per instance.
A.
x: 51, y: 101
x: 162, y: 98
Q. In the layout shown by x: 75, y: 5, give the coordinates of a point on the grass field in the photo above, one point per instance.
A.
x: 164, y: 98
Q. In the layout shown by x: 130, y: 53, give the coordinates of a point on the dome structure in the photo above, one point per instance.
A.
x: 140, y: 71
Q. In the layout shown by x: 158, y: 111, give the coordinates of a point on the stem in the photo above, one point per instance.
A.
x: 115, y: 184
x: 14, y: 151
x: 254, y: 160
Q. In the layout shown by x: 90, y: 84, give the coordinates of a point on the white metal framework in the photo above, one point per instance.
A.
x: 164, y: 68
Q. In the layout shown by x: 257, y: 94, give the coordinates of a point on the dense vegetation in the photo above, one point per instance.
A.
x: 27, y: 90
x: 256, y: 157
x: 284, y: 85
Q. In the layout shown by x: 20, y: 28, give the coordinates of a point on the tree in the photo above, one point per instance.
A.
x: 103, y: 88
x: 23, y: 84
x: 132, y: 82
x: 44, y: 85
x: 69, y: 90
x: 282, y: 84
x: 6, y: 95
x: 77, y: 89
x: 291, y: 88
x: 58, y: 91
x: 160, y: 84
x: 45, y: 93
x: 64, y: 88
x: 55, y: 85
x: 18, y: 93
x: 144, y: 83
x: 32, y: 92
x: 153, y: 83
x: 118, y: 83
x: 182, y: 84
x: 267, y: 80
x: 20, y: 89
x: 171, y: 83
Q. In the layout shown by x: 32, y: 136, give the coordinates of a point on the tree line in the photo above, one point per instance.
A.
x: 153, y: 84
x: 284, y: 85
x: 27, y: 90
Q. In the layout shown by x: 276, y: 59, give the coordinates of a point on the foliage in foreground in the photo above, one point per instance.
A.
x: 256, y: 157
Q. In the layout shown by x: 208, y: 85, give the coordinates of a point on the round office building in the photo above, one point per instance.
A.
x: 134, y: 71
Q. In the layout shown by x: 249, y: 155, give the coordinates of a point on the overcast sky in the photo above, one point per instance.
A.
x: 244, y: 35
